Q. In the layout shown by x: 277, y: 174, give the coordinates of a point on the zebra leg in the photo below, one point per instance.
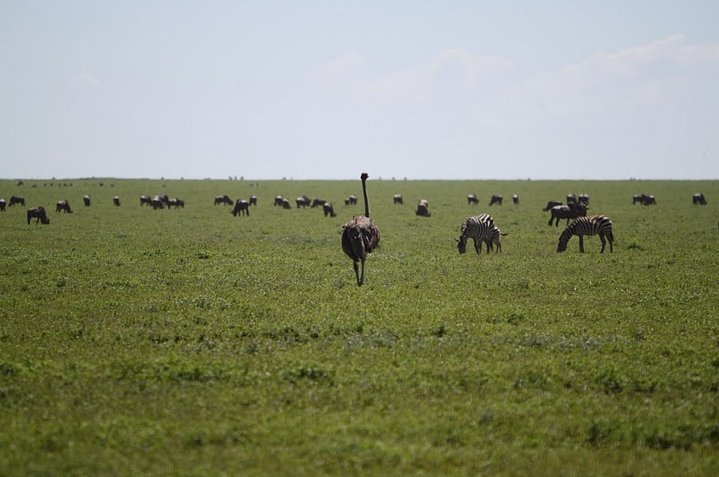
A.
x: 477, y: 246
x: 604, y: 243
x: 581, y: 243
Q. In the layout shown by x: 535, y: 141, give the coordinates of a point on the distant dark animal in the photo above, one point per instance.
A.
x: 2, y: 205
x: 423, y: 209
x: 571, y: 211
x: 253, y: 200
x: 351, y: 200
x: 472, y: 199
x: 571, y: 199
x: 63, y: 206
x: 176, y: 203
x: 328, y: 209
x: 242, y: 207
x: 480, y: 228
x: 223, y: 199
x: 397, y: 199
x: 116, y: 201
x: 317, y: 203
x: 644, y: 199
x: 302, y: 201
x: 583, y: 199
x: 39, y: 214
x: 593, y: 225
x: 286, y: 204
x: 360, y: 236
x: 86, y: 200
x: 551, y: 204
x: 698, y: 199
x: 157, y: 202
x: 145, y: 200
x: 496, y: 199
x: 515, y: 199
x: 278, y: 200
x: 16, y: 200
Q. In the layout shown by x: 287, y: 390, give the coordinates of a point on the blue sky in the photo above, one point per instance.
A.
x: 417, y: 89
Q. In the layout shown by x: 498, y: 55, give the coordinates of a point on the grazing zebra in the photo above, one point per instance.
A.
x: 698, y: 199
x: 472, y: 199
x: 571, y: 211
x: 594, y: 225
x: 496, y: 199
x: 480, y: 228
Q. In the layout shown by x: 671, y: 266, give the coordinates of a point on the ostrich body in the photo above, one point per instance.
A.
x: 360, y: 236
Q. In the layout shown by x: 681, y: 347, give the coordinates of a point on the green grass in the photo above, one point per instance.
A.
x: 192, y: 342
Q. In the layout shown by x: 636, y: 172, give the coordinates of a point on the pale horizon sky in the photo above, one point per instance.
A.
x: 323, y: 90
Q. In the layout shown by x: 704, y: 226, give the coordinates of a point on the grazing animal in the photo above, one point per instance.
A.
x: 16, y: 200
x: 86, y: 200
x: 145, y: 200
x: 253, y: 200
x: 2, y: 205
x: 551, y: 204
x: 64, y: 206
x: 223, y: 199
x: 175, y: 203
x: 583, y: 199
x: 423, y: 209
x: 472, y: 199
x: 157, y: 202
x: 480, y: 228
x: 116, y: 201
x: 593, y: 225
x: 328, y: 209
x: 351, y: 200
x: 493, y: 238
x: 278, y: 201
x: 698, y: 199
x: 397, y: 199
x: 571, y: 211
x: 515, y: 199
x: 644, y: 199
x: 286, y: 204
x: 302, y: 201
x: 241, y: 207
x: 360, y: 236
x: 39, y: 214
x: 317, y: 203
x: 496, y: 199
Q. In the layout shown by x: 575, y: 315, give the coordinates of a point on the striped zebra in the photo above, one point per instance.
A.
x: 593, y: 225
x: 480, y: 228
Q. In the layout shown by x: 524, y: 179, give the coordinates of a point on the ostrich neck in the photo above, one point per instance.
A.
x: 366, y: 201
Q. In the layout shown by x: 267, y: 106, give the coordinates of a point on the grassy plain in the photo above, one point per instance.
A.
x: 190, y: 342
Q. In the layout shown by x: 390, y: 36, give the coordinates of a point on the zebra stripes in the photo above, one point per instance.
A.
x: 480, y: 228
x: 594, y: 225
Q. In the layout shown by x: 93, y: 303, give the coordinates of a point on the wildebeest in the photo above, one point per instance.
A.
x: 571, y: 199
x: 515, y: 199
x: 302, y: 201
x: 551, y: 204
x: 472, y: 199
x: 86, y: 200
x: 423, y: 209
x: 285, y: 204
x: 39, y: 214
x: 253, y: 200
x: 175, y: 203
x: 145, y: 200
x: 698, y: 199
x: 351, y: 200
x: 318, y: 203
x: 16, y: 200
x: 278, y: 200
x: 569, y: 211
x: 496, y: 199
x: 157, y: 202
x: 397, y: 199
x: 583, y: 199
x: 63, y: 205
x: 241, y: 207
x: 328, y: 209
x: 644, y: 199
x: 2, y: 205
x: 116, y: 201
x: 223, y: 199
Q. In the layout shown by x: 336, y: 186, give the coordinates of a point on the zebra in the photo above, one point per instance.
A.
x: 480, y: 228
x: 593, y: 225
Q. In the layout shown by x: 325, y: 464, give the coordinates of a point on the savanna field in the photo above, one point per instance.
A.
x: 136, y: 341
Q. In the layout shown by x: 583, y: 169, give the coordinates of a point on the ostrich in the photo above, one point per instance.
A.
x: 360, y: 236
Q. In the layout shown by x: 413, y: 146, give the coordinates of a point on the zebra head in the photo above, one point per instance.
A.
x: 462, y: 243
x: 563, y: 240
